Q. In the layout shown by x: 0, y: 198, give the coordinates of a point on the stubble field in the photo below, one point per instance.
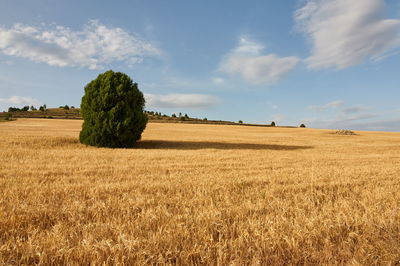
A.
x: 198, y: 194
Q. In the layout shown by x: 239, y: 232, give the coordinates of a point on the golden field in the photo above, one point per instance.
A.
x: 198, y: 195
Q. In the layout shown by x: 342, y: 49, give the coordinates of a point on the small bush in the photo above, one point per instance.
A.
x: 273, y: 124
x: 43, y: 108
x: 9, y: 117
x: 302, y: 125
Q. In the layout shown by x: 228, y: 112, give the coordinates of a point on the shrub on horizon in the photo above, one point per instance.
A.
x: 43, y: 108
x: 302, y: 125
x: 13, y: 109
x: 273, y: 124
x: 113, y: 111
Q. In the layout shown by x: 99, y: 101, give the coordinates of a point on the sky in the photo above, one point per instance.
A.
x: 325, y: 63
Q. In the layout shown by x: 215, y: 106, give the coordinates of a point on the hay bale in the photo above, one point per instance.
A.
x: 345, y: 132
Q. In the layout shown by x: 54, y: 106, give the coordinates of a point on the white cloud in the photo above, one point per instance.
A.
x: 321, y: 108
x: 18, y: 101
x: 247, y: 61
x: 218, y: 80
x: 354, y: 109
x: 380, y: 125
x: 345, y: 118
x: 340, y: 107
x: 344, y: 33
x: 93, y: 47
x: 248, y: 47
x: 356, y: 117
x: 335, y: 104
x: 180, y: 100
x: 364, y: 121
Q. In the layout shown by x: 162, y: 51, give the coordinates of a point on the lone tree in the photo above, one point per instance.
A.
x: 273, y: 124
x: 112, y: 109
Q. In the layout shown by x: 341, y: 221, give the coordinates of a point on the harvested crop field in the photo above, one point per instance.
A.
x: 198, y: 194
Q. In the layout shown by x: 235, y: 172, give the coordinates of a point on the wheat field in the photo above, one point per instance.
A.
x: 198, y: 195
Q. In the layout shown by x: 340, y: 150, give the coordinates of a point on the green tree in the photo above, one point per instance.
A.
x: 272, y: 124
x: 113, y: 111
x: 43, y: 108
x: 302, y: 125
x: 13, y: 109
x: 240, y: 122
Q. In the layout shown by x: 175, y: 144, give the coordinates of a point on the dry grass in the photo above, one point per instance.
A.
x: 198, y: 194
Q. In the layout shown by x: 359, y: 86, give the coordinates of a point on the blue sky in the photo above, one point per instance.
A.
x: 325, y: 63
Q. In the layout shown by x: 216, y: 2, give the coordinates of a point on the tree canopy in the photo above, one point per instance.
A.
x: 113, y: 111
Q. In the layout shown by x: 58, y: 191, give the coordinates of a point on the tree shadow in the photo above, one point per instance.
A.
x: 199, y: 145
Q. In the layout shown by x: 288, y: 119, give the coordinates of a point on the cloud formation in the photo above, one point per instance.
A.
x: 344, y: 33
x: 93, y: 47
x: 247, y: 61
x: 354, y: 109
x: 364, y: 121
x: 18, y: 100
x: 180, y: 100
x: 321, y: 108
x: 356, y: 117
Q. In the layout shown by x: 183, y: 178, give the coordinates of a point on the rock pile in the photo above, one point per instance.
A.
x: 345, y: 132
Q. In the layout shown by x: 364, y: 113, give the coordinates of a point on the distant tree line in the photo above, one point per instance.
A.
x: 182, y: 117
x: 15, y: 109
x: 27, y: 108
x: 42, y: 108
x: 156, y: 115
x: 66, y: 107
